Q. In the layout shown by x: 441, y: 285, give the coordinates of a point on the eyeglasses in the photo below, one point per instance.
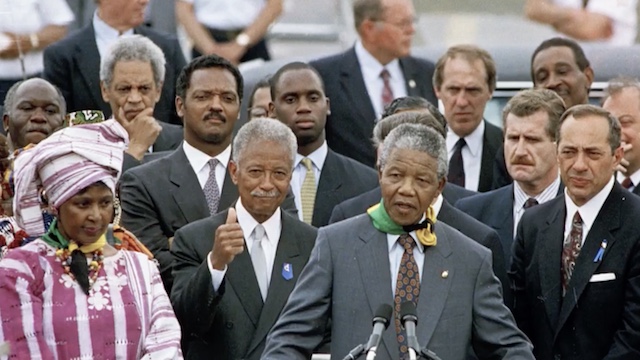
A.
x: 404, y: 24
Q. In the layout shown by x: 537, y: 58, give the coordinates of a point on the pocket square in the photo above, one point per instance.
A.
x: 602, y: 277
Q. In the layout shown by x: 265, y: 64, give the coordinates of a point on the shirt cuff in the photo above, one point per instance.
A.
x: 216, y: 275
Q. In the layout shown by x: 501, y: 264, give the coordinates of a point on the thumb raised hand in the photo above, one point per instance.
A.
x: 231, y: 216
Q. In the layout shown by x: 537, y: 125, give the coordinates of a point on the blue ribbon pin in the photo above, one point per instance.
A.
x: 287, y: 271
x: 600, y: 254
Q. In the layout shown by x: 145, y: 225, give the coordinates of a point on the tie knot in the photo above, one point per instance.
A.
x: 258, y: 233
x: 577, y: 219
x: 460, y: 143
x: 213, y: 163
x: 530, y: 202
x: 307, y: 163
x: 384, y: 74
x: 627, y: 183
x: 407, y: 242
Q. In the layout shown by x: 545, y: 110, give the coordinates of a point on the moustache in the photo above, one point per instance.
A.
x: 266, y: 194
x: 216, y: 116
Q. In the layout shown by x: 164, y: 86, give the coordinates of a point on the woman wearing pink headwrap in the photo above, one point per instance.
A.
x: 70, y: 294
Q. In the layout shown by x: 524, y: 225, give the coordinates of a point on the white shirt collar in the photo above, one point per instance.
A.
x: 635, y: 177
x: 437, y: 204
x: 104, y: 33
x: 392, y: 240
x: 371, y: 65
x: 474, y: 140
x: 550, y: 192
x: 199, y: 159
x: 272, y: 226
x: 589, y: 211
x: 317, y: 157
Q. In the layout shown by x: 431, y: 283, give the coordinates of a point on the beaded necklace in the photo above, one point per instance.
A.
x: 94, y: 266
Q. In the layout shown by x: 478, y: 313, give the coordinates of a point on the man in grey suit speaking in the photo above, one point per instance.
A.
x: 397, y: 253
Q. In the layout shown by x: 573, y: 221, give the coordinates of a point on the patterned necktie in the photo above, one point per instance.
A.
x: 387, y: 93
x: 308, y: 191
x: 571, y: 250
x: 211, y: 191
x: 530, y: 202
x: 407, y: 287
x: 259, y: 260
x: 456, y: 166
x: 627, y: 183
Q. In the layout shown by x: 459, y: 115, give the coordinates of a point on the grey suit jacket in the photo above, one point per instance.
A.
x: 348, y: 278
x: 161, y: 196
x: 341, y: 178
x: 233, y: 322
x: 352, y: 115
x: 73, y: 65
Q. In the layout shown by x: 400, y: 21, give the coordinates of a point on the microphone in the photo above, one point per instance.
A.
x: 380, y: 324
x: 409, y: 320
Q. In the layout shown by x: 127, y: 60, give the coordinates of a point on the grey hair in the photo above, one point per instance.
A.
x: 133, y: 48
x: 264, y: 129
x: 419, y: 138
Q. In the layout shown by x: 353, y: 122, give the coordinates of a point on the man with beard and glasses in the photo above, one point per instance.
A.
x: 321, y: 178
x: 239, y: 266
x: 531, y: 119
x: 161, y: 196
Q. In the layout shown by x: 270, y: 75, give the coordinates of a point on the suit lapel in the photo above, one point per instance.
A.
x: 434, y: 289
x: 410, y: 76
x: 608, y: 219
x: 502, y: 219
x: 187, y: 192
x: 549, y: 259
x: 327, y: 186
x: 87, y: 59
x: 353, y: 86
x: 373, y: 255
x: 288, y: 252
x: 229, y: 193
x: 241, y: 276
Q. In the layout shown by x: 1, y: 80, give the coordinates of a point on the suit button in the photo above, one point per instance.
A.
x: 229, y: 325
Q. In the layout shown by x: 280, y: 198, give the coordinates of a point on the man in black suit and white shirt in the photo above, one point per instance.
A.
x: 576, y: 262
x: 234, y: 271
x: 300, y: 103
x: 73, y: 64
x: 464, y: 80
x: 378, y: 68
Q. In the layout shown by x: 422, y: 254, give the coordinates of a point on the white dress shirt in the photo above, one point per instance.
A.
x: 588, y: 212
x: 371, y: 70
x: 300, y: 172
x: 226, y: 14
x: 273, y: 229
x: 520, y: 198
x: 471, y: 155
x: 635, y: 179
x: 105, y: 34
x: 199, y: 162
x: 395, y: 257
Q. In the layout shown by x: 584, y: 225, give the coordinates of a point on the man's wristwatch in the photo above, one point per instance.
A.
x: 243, y: 39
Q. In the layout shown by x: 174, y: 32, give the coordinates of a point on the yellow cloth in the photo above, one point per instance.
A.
x: 427, y: 236
x: 424, y: 231
x: 89, y: 248
x: 308, y: 191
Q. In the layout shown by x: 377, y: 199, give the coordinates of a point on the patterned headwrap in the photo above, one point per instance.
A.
x: 63, y: 164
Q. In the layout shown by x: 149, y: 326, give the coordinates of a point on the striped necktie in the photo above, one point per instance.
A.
x: 308, y: 191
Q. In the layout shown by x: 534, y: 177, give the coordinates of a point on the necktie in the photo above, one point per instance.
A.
x: 571, y: 250
x: 407, y: 287
x: 627, y: 183
x: 530, y: 202
x: 259, y: 260
x: 387, y: 93
x: 456, y: 166
x: 308, y: 192
x: 211, y: 191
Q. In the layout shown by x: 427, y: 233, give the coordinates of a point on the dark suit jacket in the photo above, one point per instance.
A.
x: 501, y: 175
x: 341, y: 178
x: 73, y: 65
x: 161, y: 196
x: 169, y: 139
x: 348, y: 278
x: 595, y: 320
x: 491, y: 142
x: 233, y: 322
x: 350, y: 125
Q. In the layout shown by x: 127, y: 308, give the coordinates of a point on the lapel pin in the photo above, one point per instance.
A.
x: 445, y: 274
x: 412, y: 83
x: 600, y: 254
x: 287, y: 271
